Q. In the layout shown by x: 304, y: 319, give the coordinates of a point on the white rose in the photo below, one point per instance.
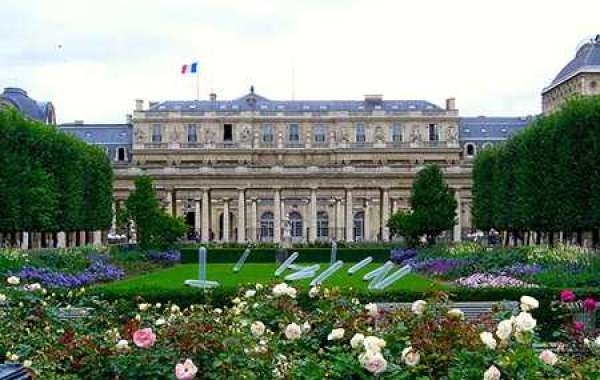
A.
x: 258, y: 286
x: 313, y: 292
x: 12, y: 357
x: 250, y: 293
x: 357, y: 340
x: 160, y: 322
x: 548, y: 357
x: 236, y: 300
x: 410, y: 356
x: 336, y: 334
x: 524, y: 322
x: 306, y: 326
x: 372, y: 309
x: 504, y: 329
x: 283, y: 289
x: 293, y: 331
x: 257, y: 328
x: 13, y: 280
x: 27, y: 363
x: 456, y: 313
x: 291, y: 292
x: 418, y: 307
x: 175, y: 309
x: 218, y: 311
x: 488, y: 339
x: 158, y: 305
x: 122, y: 345
x: 529, y: 303
x: 2, y: 298
x: 373, y: 362
x: 597, y: 341
x: 144, y: 306
x: 373, y: 343
x: 492, y: 373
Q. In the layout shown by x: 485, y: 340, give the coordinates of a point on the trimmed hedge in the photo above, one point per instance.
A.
x: 267, y: 255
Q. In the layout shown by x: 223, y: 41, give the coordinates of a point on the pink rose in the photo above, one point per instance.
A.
x: 186, y: 371
x: 589, y: 304
x: 144, y: 338
x: 578, y: 326
x: 567, y: 295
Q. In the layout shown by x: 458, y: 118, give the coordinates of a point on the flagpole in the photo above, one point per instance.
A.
x: 197, y: 85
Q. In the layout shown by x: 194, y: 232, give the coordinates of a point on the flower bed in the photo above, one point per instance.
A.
x: 266, y: 333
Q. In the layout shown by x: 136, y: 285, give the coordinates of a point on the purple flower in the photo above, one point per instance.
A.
x: 521, y: 270
x: 400, y: 255
x: 488, y: 280
x: 438, y: 267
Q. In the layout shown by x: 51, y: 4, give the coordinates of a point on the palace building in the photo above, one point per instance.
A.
x: 257, y: 169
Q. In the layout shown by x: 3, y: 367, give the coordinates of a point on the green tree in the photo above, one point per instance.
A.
x: 433, y: 208
x: 154, y: 227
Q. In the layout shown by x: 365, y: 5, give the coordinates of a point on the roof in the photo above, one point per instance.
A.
x: 254, y: 102
x: 491, y: 128
x: 18, y: 98
x: 105, y: 134
x: 587, y: 59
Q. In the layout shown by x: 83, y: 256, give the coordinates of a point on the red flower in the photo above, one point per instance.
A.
x: 567, y: 295
x: 589, y: 304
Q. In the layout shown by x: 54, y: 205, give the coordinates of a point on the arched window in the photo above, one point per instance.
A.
x: 121, y: 154
x: 359, y: 226
x: 470, y: 149
x: 296, y: 225
x: 322, y: 225
x: 266, y: 226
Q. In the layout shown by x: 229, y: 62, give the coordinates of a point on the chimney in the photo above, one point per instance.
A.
x: 139, y: 104
x: 374, y: 98
x: 451, y: 104
x: 213, y: 97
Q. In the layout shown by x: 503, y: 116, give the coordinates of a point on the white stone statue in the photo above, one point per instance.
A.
x: 451, y: 135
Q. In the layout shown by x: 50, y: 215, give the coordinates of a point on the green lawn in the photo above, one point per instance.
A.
x: 170, y: 280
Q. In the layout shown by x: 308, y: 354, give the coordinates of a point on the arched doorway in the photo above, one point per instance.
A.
x: 359, y: 226
x: 296, y: 225
x: 266, y: 226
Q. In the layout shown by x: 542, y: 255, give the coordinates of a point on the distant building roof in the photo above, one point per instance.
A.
x: 104, y: 134
x: 491, y: 128
x: 587, y: 59
x: 18, y: 98
x: 255, y: 102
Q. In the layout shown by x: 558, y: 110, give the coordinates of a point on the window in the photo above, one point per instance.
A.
x: 470, y: 148
x: 266, y: 226
x: 319, y: 133
x: 293, y: 133
x: 434, y: 132
x: 322, y: 225
x: 360, y: 133
x: 296, y: 226
x: 359, y: 226
x: 121, y: 154
x: 267, y: 133
x: 156, y: 133
x: 192, y: 133
x: 397, y: 133
x: 227, y: 132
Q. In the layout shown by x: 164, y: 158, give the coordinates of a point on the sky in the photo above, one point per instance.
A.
x: 93, y: 58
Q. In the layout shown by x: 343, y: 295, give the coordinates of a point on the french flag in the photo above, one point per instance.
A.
x: 190, y: 69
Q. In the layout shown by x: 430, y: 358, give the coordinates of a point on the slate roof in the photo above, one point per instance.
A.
x: 587, y: 59
x: 104, y: 134
x: 491, y: 128
x: 255, y: 102
x: 18, y: 98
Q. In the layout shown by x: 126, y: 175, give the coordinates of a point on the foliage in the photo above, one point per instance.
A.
x: 155, y: 229
x: 433, y: 208
x: 51, y: 181
x: 269, y: 333
x: 546, y: 177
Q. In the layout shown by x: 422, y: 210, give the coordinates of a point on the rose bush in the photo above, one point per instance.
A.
x: 266, y: 333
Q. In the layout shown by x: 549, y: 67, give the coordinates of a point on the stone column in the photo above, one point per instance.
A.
x: 458, y: 225
x: 241, y: 227
x: 367, y: 233
x: 25, y: 240
x: 97, y: 238
x: 82, y: 238
x: 339, y: 220
x: 385, y: 214
x: 313, y: 215
x: 349, y: 216
x: 253, y: 221
x: 226, y: 220
x: 205, y: 215
x: 113, y: 227
x: 61, y: 240
x: 197, y: 217
x: 169, y: 206
x: 277, y: 216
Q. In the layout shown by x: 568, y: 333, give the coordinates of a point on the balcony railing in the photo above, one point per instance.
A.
x: 156, y: 145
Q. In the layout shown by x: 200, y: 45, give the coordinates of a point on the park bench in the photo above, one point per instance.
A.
x: 472, y: 310
x: 13, y: 371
